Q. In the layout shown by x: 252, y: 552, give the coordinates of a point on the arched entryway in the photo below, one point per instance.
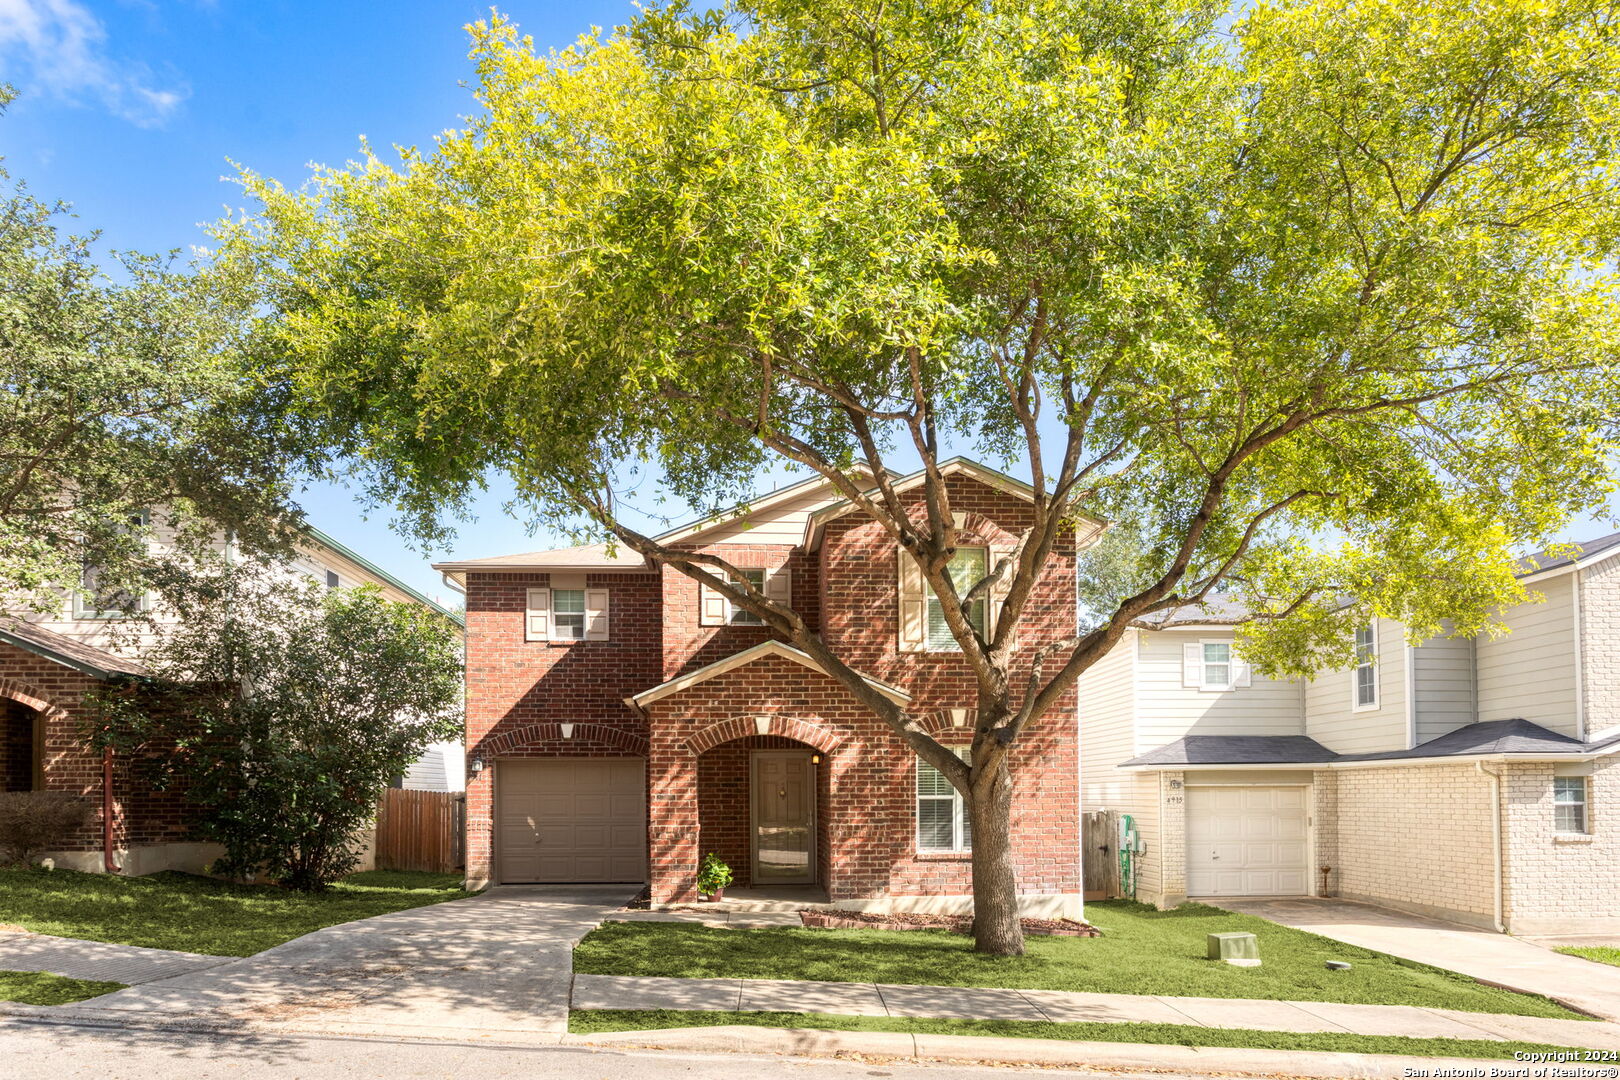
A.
x: 22, y: 747
x: 759, y: 809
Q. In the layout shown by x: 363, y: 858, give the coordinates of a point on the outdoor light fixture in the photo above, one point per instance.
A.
x: 815, y: 759
x: 476, y: 765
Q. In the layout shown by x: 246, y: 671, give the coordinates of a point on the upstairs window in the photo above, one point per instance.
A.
x: 96, y: 599
x: 1365, y: 672
x: 567, y: 614
x: 1212, y: 666
x: 741, y: 616
x: 967, y: 568
x: 1569, y: 804
x: 942, y: 820
x: 331, y: 579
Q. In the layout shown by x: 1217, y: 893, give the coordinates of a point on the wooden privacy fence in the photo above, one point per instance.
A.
x: 1099, y: 840
x: 421, y: 830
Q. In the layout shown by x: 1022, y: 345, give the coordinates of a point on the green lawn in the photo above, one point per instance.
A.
x: 1142, y: 951
x: 201, y: 915
x: 586, y: 1021
x: 38, y: 988
x: 1603, y: 954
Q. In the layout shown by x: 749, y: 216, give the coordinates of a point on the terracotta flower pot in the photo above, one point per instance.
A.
x: 718, y: 894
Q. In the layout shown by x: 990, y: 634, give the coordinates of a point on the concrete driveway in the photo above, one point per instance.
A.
x: 1484, y: 954
x: 497, y: 962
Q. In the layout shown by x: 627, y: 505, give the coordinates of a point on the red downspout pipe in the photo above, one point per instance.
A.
x: 107, y: 812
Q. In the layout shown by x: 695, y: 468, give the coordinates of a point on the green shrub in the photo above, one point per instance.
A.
x: 36, y: 821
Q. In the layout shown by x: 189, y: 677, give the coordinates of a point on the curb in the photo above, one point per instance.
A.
x: 810, y: 1042
x: 1234, y: 1061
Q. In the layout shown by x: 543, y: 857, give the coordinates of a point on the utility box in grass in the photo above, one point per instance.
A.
x: 1239, y: 950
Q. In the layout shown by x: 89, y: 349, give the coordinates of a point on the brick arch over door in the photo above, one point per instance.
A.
x: 531, y: 735
x: 31, y: 696
x: 741, y: 727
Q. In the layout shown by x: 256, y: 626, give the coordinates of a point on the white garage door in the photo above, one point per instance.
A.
x: 571, y: 819
x: 1247, y: 841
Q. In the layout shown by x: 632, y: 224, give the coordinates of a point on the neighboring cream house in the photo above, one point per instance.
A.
x: 50, y: 660
x: 1475, y: 779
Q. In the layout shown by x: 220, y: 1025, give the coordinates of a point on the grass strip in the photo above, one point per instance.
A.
x: 202, y: 915
x: 39, y: 988
x: 1603, y: 954
x: 589, y: 1021
x: 1142, y: 951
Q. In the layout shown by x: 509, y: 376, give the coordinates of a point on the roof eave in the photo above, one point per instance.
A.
x: 82, y: 666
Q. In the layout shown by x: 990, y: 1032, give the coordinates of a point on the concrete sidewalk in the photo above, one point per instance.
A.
x: 1484, y: 954
x: 958, y: 1002
x: 496, y: 962
x: 98, y: 960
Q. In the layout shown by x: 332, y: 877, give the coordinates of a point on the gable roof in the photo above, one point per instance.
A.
x: 761, y: 651
x: 1493, y: 738
x: 1567, y: 556
x: 765, y: 502
x: 815, y: 527
x: 55, y: 647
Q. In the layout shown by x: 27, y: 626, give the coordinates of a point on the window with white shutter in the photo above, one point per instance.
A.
x: 1213, y: 666
x: 537, y: 615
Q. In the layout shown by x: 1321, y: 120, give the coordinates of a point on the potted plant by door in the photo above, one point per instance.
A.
x: 713, y: 877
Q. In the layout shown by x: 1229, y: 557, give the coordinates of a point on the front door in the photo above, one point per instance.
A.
x: 784, y: 817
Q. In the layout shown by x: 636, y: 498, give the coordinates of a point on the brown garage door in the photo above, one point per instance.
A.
x: 572, y: 819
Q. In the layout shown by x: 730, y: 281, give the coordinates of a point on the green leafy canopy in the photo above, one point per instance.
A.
x: 1319, y: 297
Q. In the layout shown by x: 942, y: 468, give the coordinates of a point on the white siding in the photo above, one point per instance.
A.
x: 1166, y: 710
x: 1107, y: 727
x: 1330, y: 718
x: 1529, y: 673
x: 1443, y: 686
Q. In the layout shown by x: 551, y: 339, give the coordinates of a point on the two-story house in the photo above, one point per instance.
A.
x: 1477, y: 779
x: 623, y: 722
x: 48, y: 663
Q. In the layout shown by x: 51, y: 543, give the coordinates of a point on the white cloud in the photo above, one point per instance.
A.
x: 59, y: 47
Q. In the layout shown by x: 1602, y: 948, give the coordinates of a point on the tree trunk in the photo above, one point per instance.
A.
x: 996, y: 929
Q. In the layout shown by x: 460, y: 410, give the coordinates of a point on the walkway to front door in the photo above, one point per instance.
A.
x: 783, y: 802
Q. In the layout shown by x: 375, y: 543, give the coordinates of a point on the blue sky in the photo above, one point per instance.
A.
x: 132, y: 110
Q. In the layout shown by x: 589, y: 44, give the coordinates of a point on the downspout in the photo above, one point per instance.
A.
x: 107, y: 859
x: 1496, y: 841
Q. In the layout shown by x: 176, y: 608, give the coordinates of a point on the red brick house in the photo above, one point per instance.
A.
x: 622, y: 722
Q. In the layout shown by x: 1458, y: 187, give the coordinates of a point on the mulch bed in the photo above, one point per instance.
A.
x: 958, y: 924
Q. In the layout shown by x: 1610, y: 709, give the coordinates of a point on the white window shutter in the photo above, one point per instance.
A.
x: 998, y: 591
x: 537, y: 615
x: 912, y: 593
x: 596, y: 614
x: 1241, y: 675
x: 1192, y: 665
x: 713, y: 608
x: 779, y: 585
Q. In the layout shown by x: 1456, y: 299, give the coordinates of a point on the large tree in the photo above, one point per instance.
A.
x: 1318, y: 296
x: 124, y: 395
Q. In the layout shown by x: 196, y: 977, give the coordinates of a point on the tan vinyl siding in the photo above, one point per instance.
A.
x: 1443, y: 686
x: 1107, y: 720
x: 1330, y: 718
x: 1166, y: 710
x: 783, y: 524
x: 1529, y: 673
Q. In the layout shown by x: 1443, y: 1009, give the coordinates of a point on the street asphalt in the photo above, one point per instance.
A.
x: 52, y: 1051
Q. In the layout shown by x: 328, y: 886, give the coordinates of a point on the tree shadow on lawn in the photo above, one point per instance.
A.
x: 1142, y: 951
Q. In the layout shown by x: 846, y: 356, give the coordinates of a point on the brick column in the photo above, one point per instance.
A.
x: 1173, y: 839
x: 672, y: 819
x: 480, y: 827
x: 1325, y: 830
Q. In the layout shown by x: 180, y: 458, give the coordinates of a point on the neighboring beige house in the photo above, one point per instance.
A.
x: 50, y: 660
x: 1475, y: 779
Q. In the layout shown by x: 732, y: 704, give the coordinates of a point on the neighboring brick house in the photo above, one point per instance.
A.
x: 623, y: 722
x: 50, y: 661
x: 1476, y: 779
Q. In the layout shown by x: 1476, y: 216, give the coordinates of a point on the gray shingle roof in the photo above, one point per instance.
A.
x: 1492, y: 737
x: 1584, y: 551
